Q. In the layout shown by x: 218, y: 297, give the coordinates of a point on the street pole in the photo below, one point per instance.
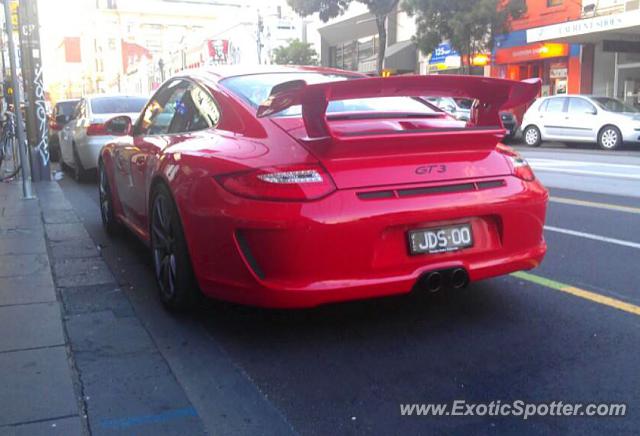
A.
x: 27, y: 191
x: 36, y: 110
x: 259, y: 36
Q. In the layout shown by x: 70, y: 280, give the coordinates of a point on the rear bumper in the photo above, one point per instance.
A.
x: 344, y: 248
x: 89, y: 151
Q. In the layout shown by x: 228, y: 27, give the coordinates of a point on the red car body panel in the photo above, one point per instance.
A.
x: 352, y: 242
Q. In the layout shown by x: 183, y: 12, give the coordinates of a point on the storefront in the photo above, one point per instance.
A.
x: 556, y: 64
x: 610, y: 43
x: 445, y: 60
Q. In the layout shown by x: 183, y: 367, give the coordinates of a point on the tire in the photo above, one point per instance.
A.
x: 79, y: 173
x: 531, y: 136
x: 609, y: 138
x: 177, y: 285
x: 109, y: 221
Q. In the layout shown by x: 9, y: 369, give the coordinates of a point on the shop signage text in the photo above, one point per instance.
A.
x: 585, y: 26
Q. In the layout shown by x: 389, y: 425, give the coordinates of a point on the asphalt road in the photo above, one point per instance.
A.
x: 568, y: 331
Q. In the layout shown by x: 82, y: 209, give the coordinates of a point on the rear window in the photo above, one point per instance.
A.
x: 117, y: 105
x: 66, y: 107
x: 256, y: 88
x: 613, y: 105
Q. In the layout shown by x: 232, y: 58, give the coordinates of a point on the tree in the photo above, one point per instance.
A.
x: 296, y: 53
x: 328, y: 9
x: 470, y: 26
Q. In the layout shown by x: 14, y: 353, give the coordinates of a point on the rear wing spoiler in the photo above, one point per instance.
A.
x: 492, y: 95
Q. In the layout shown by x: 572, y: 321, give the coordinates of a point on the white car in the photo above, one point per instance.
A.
x: 84, y: 135
x: 460, y: 108
x: 581, y: 118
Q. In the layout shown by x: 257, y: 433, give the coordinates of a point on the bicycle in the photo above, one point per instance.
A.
x: 7, y: 140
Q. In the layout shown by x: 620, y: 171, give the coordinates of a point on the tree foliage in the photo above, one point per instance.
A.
x: 470, y: 26
x: 328, y: 9
x: 295, y: 53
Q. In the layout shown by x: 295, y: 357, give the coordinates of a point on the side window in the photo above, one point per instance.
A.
x: 580, y: 106
x: 543, y: 106
x: 556, y: 105
x: 157, y: 116
x: 197, y: 110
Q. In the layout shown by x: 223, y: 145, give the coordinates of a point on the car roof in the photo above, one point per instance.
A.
x: 92, y: 96
x: 217, y: 73
x: 70, y: 100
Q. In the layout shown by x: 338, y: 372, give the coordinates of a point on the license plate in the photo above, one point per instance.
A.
x: 440, y: 240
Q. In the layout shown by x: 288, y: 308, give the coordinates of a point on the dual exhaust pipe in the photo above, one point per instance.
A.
x: 434, y: 281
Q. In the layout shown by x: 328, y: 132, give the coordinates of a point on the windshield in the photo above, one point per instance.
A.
x: 613, y: 105
x: 66, y: 107
x: 117, y: 105
x: 256, y: 88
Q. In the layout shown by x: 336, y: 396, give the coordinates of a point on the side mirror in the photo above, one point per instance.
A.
x: 119, y: 126
x: 62, y: 119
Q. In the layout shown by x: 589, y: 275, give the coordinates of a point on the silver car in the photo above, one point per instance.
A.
x: 84, y: 136
x: 459, y: 108
x: 581, y: 118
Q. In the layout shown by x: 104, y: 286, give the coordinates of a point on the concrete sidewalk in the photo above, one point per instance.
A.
x: 37, y: 390
x: 74, y: 357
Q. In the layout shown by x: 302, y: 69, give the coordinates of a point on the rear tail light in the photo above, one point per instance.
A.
x: 290, y: 183
x: 96, y: 130
x: 519, y: 165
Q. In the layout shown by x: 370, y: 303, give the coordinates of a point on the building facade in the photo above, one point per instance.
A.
x: 609, y: 34
x: 558, y: 64
x: 351, y: 42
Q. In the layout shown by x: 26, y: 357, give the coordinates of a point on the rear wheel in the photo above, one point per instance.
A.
x: 609, y: 138
x: 79, y: 173
x: 532, y: 136
x: 176, y: 282
x: 109, y: 220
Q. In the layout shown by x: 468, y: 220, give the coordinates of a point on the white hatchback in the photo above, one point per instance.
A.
x: 581, y: 118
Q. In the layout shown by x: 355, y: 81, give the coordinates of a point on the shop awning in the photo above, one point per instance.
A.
x: 356, y: 27
x: 402, y: 56
x: 623, y: 26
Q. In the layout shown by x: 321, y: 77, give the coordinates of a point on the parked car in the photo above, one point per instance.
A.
x: 509, y: 122
x: 298, y: 186
x: 460, y: 108
x: 84, y: 136
x: 581, y: 118
x: 60, y: 116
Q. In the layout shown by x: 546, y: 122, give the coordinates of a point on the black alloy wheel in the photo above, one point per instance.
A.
x: 176, y: 282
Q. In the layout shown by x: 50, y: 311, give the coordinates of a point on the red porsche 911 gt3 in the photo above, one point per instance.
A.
x: 293, y: 187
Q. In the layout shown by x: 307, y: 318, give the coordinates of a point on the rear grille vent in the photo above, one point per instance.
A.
x: 429, y: 190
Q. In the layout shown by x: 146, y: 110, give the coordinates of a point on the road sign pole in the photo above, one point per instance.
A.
x: 37, y: 120
x: 25, y: 166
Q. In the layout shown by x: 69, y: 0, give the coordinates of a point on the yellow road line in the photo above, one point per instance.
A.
x: 594, y: 204
x: 581, y: 293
